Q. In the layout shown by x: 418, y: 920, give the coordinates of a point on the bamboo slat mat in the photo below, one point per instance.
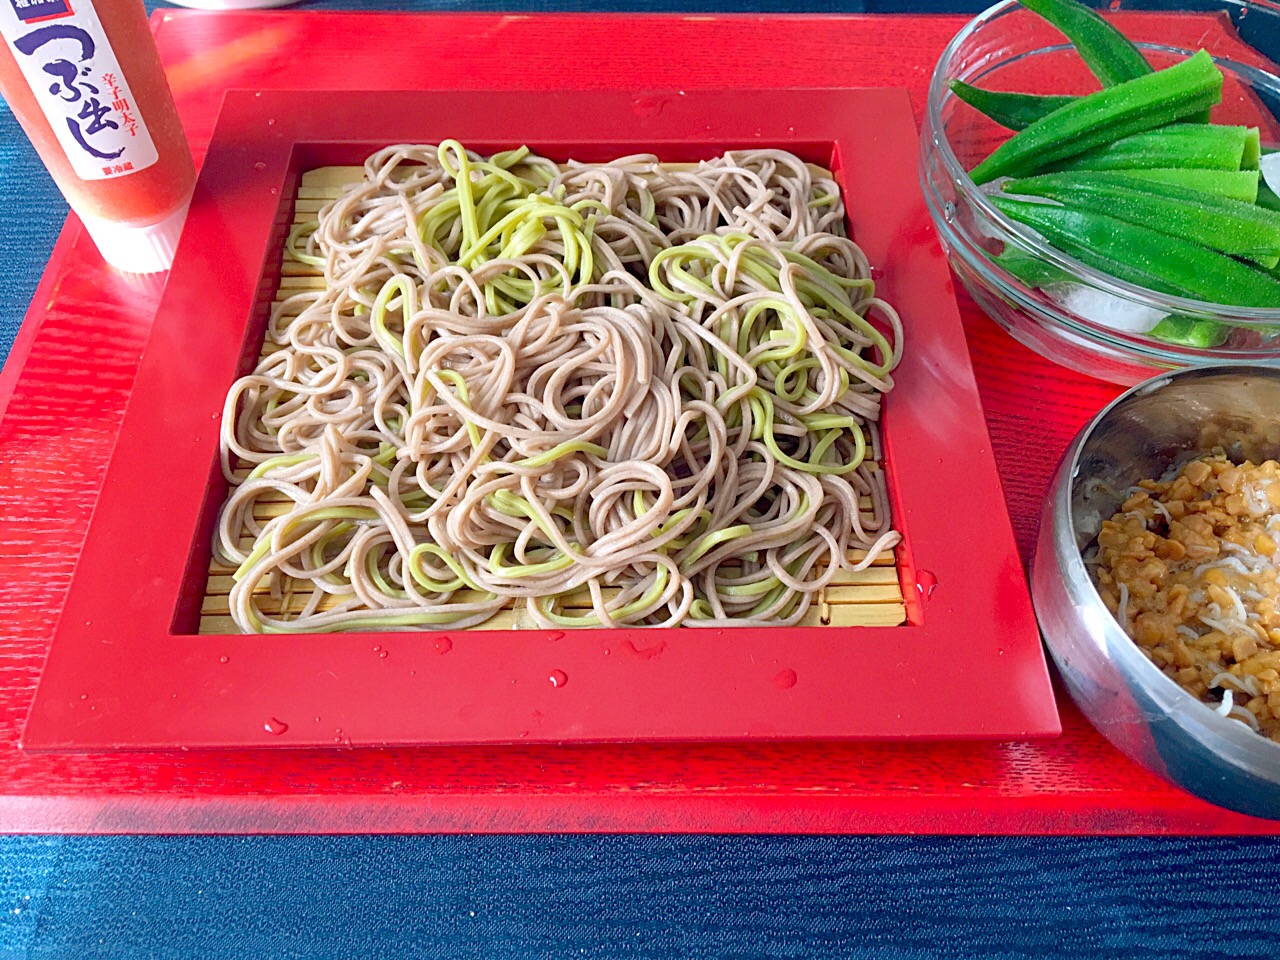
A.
x: 869, y: 598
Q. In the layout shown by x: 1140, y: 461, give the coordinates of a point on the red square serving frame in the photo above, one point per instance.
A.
x: 127, y: 670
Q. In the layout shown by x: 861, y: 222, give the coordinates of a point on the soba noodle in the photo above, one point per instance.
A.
x: 653, y: 390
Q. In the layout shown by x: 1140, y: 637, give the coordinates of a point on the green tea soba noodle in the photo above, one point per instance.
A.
x: 652, y: 388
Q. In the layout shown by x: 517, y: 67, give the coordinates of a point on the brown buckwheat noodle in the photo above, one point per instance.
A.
x: 653, y: 389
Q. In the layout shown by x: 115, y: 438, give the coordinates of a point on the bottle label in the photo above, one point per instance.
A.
x: 77, y: 81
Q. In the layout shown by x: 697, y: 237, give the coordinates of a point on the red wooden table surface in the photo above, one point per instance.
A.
x: 55, y: 440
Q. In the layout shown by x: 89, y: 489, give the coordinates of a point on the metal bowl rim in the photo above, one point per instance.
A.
x: 1116, y: 645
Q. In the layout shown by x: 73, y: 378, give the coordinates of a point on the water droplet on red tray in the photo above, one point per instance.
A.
x: 259, y: 165
x: 555, y: 635
x: 84, y: 696
x: 645, y: 653
x: 382, y: 655
x: 649, y: 105
x: 443, y: 645
x: 785, y: 679
x: 877, y: 273
x: 558, y: 678
x: 926, y: 583
x: 275, y: 727
x: 376, y: 649
x: 224, y: 659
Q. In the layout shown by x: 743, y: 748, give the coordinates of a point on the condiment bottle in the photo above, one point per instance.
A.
x: 84, y: 79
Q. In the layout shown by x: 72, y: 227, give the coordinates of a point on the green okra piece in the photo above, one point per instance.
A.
x: 1131, y: 107
x: 1144, y: 257
x: 1267, y: 197
x: 1190, y: 332
x: 1239, y: 185
x: 1031, y: 270
x: 1229, y: 226
x: 1108, y: 53
x: 1200, y: 146
x: 1252, y: 150
x: 1017, y: 111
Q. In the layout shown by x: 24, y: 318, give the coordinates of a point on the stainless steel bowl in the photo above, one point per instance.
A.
x: 1164, y: 420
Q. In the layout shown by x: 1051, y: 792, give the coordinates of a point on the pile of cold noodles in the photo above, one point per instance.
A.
x: 1189, y: 567
x: 651, y: 389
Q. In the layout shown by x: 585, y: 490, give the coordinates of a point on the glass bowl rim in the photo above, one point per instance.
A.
x: 939, y: 92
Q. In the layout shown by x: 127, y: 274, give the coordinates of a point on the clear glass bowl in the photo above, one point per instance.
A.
x: 1009, y: 48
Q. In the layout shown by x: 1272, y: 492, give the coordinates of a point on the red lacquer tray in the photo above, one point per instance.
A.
x: 126, y: 669
x: 56, y: 438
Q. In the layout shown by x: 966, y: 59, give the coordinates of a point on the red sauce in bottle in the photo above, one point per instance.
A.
x: 85, y: 82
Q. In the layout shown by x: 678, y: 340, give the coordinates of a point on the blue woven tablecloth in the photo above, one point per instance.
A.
x: 660, y: 897
x: 637, y: 897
